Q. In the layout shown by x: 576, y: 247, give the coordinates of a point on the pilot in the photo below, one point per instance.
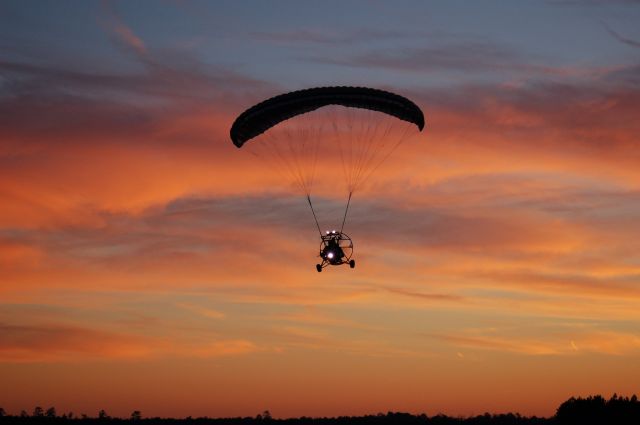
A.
x: 332, y: 251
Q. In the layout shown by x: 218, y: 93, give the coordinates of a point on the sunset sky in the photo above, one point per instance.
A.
x: 148, y: 264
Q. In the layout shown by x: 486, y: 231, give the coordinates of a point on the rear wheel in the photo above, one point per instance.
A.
x: 352, y: 264
x: 319, y: 268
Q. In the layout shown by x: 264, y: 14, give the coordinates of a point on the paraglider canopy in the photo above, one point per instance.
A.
x: 261, y: 117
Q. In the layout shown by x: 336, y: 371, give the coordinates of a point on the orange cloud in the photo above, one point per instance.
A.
x: 607, y: 342
x: 53, y: 343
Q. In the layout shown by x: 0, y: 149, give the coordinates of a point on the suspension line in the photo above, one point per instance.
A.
x: 314, y: 215
x: 345, y: 212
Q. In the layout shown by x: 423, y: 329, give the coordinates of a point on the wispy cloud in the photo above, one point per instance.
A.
x: 225, y: 348
x: 202, y: 311
x: 56, y: 343
x: 337, y: 37
x: 580, y: 342
x: 425, y: 296
x: 66, y: 343
x: 460, y: 57
x: 620, y: 38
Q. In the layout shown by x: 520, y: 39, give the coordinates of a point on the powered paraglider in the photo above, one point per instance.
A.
x: 361, y: 127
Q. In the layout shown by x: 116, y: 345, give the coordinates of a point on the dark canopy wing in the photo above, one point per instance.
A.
x: 261, y: 117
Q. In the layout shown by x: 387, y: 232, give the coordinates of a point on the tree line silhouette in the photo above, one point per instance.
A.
x: 575, y: 411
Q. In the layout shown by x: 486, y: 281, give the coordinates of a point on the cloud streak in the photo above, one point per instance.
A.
x: 56, y: 343
x: 620, y: 38
x: 602, y: 342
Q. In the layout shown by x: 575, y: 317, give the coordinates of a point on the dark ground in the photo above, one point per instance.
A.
x: 575, y: 411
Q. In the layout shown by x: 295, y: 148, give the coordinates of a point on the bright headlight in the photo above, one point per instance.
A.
x: 330, y: 255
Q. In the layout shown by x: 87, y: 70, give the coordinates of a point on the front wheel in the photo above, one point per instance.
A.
x: 319, y: 268
x: 352, y: 264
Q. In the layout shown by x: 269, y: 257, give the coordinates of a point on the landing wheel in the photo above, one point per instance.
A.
x: 352, y: 264
x: 319, y: 268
